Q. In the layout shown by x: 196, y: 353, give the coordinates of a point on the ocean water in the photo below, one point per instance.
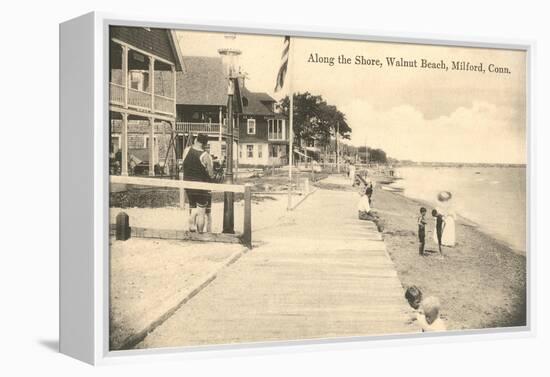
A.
x: 492, y: 197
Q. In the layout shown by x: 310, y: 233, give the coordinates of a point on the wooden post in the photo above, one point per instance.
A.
x: 125, y: 74
x: 152, y: 146
x: 174, y: 90
x: 124, y: 131
x: 182, y: 198
x: 220, y: 133
x: 290, y: 148
x: 123, y: 231
x: 124, y: 145
x: 235, y: 178
x: 152, y: 81
x: 247, y: 226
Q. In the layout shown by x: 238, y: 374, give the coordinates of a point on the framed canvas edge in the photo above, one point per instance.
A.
x: 101, y: 192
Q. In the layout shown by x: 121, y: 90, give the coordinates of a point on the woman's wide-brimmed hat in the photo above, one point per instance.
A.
x: 443, y: 196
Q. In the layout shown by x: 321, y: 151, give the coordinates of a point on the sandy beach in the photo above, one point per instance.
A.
x: 480, y: 282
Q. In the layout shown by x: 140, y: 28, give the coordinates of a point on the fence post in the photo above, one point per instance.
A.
x: 123, y: 231
x: 306, y: 185
x: 247, y: 227
x: 182, y: 198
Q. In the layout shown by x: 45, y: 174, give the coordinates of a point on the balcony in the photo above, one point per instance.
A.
x: 140, y: 83
x: 205, y: 128
x: 141, y: 100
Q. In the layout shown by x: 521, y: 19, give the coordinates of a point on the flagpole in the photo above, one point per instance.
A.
x: 291, y: 123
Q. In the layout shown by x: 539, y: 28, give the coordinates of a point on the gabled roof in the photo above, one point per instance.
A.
x: 160, y: 42
x: 256, y: 103
x: 202, y: 83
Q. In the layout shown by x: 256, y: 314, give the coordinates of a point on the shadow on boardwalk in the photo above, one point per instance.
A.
x: 319, y: 273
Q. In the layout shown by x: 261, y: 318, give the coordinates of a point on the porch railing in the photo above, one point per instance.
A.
x: 141, y: 100
x: 203, y: 127
x: 198, y: 127
x: 164, y: 104
x: 117, y: 93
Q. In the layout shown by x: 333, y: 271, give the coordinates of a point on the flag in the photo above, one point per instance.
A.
x: 284, y: 65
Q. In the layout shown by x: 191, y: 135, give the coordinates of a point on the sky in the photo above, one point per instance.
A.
x: 418, y: 114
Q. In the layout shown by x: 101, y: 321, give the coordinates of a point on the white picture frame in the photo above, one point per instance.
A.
x: 84, y: 188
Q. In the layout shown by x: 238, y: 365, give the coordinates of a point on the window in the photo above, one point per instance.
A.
x: 251, y: 126
x: 275, y: 151
x: 276, y: 129
x: 250, y: 151
x: 260, y: 147
x: 115, y: 144
x: 139, y: 80
x: 240, y: 151
x: 146, y: 141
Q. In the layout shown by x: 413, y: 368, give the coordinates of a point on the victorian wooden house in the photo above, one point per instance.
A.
x: 202, y: 98
x: 263, y: 135
x: 144, y: 63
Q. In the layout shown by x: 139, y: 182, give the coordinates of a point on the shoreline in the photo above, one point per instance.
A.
x: 464, y: 221
x: 481, y: 282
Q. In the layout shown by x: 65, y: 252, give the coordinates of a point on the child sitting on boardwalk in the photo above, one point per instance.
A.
x: 365, y: 212
x: 430, y: 321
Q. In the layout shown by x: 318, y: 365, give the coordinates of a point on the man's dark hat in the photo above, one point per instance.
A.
x: 202, y: 138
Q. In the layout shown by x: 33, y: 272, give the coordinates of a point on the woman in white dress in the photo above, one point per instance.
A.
x: 446, y: 209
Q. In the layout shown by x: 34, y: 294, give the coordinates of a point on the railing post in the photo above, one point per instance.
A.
x: 247, y: 226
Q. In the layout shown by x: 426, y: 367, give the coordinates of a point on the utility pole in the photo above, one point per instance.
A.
x: 337, y: 148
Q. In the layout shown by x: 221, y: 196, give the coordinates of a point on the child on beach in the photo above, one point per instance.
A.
x: 430, y: 320
x: 422, y: 230
x: 413, y: 296
x: 439, y: 226
x: 369, y: 190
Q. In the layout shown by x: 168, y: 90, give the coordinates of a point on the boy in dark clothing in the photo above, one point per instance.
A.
x: 369, y: 191
x: 422, y: 230
x: 439, y: 226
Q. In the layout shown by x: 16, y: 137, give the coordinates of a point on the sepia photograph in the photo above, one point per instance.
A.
x: 268, y: 188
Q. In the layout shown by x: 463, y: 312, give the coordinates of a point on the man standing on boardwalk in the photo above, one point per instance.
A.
x: 198, y: 167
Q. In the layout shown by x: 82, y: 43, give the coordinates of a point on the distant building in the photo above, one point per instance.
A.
x: 263, y: 133
x: 202, y: 104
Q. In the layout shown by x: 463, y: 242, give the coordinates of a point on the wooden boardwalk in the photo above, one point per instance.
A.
x: 320, y: 273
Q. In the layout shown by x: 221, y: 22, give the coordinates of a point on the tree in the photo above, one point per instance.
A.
x: 375, y: 155
x: 314, y: 117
